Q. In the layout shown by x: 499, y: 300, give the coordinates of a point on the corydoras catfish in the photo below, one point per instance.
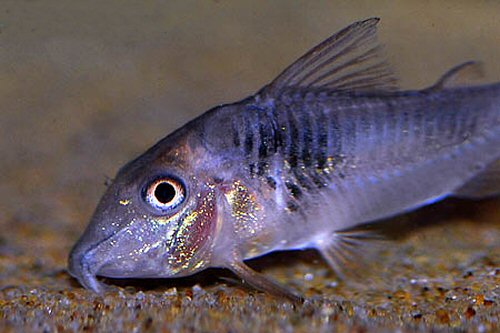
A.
x: 330, y: 144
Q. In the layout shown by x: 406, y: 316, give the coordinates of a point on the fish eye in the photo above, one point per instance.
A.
x: 164, y: 193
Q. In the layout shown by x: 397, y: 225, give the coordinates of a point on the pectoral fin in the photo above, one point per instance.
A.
x: 261, y: 282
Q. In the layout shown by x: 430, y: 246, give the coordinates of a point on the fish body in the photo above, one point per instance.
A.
x: 330, y: 144
x: 323, y: 160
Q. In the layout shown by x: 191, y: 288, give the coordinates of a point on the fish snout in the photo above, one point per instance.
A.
x: 82, y: 266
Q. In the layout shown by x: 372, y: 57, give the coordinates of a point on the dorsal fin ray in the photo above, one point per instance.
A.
x: 351, y: 59
x: 461, y: 75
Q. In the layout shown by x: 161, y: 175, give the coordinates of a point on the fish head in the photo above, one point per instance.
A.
x: 158, y: 218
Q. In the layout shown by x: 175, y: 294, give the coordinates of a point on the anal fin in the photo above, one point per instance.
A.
x: 486, y: 184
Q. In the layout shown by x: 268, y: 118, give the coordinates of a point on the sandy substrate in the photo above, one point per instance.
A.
x: 86, y: 86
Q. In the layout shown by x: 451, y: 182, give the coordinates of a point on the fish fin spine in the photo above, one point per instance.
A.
x: 349, y: 60
x: 261, y: 282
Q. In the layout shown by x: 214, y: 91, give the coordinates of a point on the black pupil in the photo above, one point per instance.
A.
x: 164, y: 193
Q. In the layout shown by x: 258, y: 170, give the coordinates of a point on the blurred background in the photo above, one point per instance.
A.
x: 85, y: 86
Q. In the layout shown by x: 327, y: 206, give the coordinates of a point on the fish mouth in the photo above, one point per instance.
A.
x: 83, y: 266
x: 86, y: 262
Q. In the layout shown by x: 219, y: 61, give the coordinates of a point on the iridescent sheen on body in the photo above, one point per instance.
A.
x: 330, y: 144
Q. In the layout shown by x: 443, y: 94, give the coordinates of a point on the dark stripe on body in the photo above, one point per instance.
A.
x: 236, y: 134
x: 307, y: 137
x: 249, y: 137
x: 293, y: 142
x: 301, y: 139
x: 321, y: 153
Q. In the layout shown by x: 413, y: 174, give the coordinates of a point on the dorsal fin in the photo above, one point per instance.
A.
x: 351, y: 59
x: 461, y: 75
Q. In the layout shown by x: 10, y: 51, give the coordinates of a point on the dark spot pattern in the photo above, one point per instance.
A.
x: 301, y: 138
